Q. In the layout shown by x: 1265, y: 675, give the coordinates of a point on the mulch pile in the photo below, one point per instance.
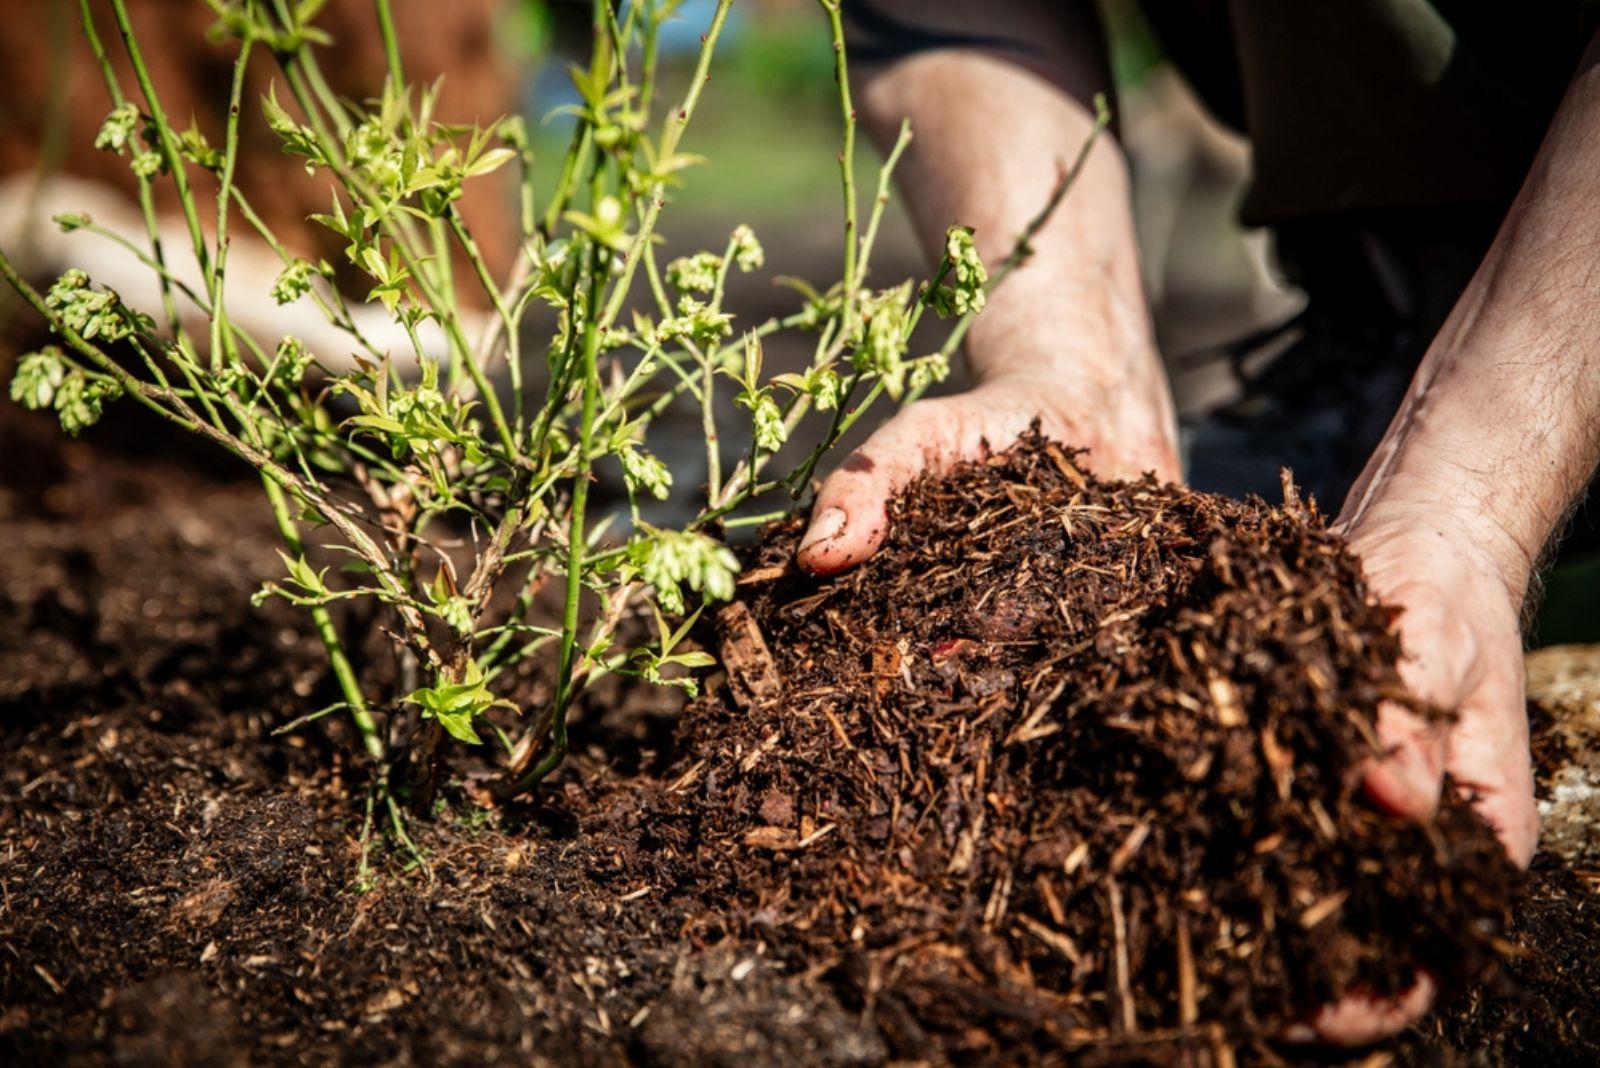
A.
x: 1074, y: 765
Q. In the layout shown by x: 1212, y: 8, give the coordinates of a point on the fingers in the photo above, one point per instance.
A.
x: 1439, y: 668
x: 1488, y: 758
x: 850, y: 518
x: 1405, y: 779
x: 1474, y: 671
x: 1361, y: 1019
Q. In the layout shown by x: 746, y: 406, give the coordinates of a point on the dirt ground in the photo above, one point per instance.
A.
x: 177, y: 884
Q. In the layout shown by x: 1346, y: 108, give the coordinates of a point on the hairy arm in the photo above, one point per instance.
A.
x: 1000, y: 98
x: 1501, y: 426
x: 1497, y: 437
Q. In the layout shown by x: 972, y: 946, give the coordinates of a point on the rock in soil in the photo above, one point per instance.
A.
x: 1074, y: 765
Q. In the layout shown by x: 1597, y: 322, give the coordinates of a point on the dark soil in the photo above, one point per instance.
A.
x: 177, y: 885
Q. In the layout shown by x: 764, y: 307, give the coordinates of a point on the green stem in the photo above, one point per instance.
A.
x: 676, y: 124
x: 509, y: 322
x: 723, y: 509
x: 391, y: 44
x: 572, y: 165
x: 708, y: 423
x: 221, y: 336
x: 147, y: 204
x: 881, y: 201
x: 145, y: 258
x: 556, y: 745
x: 169, y: 142
x: 322, y: 619
x: 754, y: 520
x: 847, y: 157
x: 300, y: 64
x: 647, y: 74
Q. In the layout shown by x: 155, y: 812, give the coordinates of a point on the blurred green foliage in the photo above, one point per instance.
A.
x: 770, y: 132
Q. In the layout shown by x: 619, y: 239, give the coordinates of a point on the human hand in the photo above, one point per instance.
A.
x: 1459, y: 600
x: 1125, y: 438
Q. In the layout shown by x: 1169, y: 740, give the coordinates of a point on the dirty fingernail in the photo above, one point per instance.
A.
x: 823, y: 527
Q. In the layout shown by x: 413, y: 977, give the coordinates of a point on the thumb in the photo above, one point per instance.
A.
x: 851, y: 517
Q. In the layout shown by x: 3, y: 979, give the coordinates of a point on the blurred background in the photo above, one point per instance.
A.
x: 769, y: 128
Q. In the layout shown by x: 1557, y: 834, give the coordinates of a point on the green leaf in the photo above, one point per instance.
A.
x: 456, y: 704
x: 302, y: 575
x: 459, y: 726
x: 490, y: 162
x: 381, y: 423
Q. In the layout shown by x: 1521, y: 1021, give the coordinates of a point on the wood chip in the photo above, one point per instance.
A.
x: 1188, y: 1008
x: 756, y: 755
x: 1323, y: 909
x: 774, y: 838
x: 50, y: 980
x: 752, y: 675
x: 1055, y: 940
x: 1065, y: 466
x: 1123, y: 994
x: 1226, y: 707
x: 1129, y: 848
x: 756, y: 576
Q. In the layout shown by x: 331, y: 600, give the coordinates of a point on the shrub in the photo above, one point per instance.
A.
x: 370, y: 458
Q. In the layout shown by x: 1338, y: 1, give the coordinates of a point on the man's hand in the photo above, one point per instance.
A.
x: 1463, y: 654
x: 999, y: 109
x: 850, y: 519
x: 1498, y: 435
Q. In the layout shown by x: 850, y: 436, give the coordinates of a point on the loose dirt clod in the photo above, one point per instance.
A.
x: 1074, y: 764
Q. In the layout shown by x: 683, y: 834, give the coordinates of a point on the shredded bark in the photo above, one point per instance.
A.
x: 1075, y: 765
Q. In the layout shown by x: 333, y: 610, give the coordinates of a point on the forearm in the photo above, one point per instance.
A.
x: 994, y: 129
x: 1501, y: 428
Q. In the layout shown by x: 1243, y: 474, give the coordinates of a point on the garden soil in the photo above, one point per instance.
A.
x: 1066, y: 775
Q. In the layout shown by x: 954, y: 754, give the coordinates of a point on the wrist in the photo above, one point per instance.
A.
x: 1128, y: 430
x: 1432, y: 508
x: 1472, y: 454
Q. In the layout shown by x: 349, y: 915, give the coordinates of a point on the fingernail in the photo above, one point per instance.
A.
x: 823, y: 527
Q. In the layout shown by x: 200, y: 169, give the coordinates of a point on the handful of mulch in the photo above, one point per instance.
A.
x: 1073, y: 766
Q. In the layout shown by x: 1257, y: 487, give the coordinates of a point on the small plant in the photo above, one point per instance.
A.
x: 371, y: 459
